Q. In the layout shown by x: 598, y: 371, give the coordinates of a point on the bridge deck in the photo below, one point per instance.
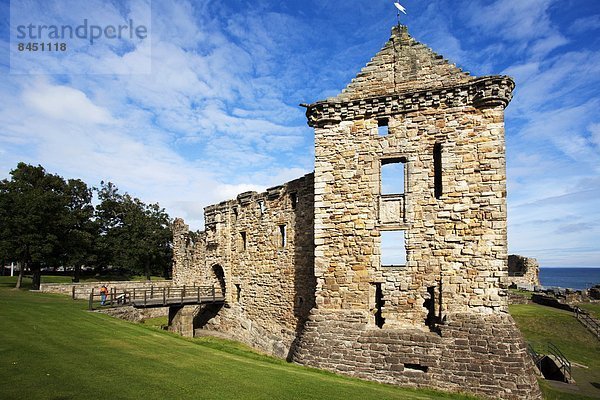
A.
x: 159, y: 302
x: 158, y: 297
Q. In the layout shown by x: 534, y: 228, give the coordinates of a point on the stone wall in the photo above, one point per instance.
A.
x: 444, y: 244
x: 522, y: 271
x: 130, y: 313
x: 482, y: 354
x: 440, y: 318
x: 259, y: 247
x: 455, y: 239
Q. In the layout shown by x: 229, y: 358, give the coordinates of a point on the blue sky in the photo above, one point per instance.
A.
x: 217, y: 111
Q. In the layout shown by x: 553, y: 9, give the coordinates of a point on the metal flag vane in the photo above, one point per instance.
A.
x: 400, y: 8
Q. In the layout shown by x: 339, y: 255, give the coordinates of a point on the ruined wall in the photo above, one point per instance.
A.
x: 441, y: 319
x: 269, y: 281
x: 522, y: 271
x: 438, y: 320
x: 455, y: 240
x: 485, y: 355
x: 456, y: 243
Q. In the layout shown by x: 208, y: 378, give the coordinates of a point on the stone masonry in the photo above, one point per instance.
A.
x: 260, y: 249
x: 301, y: 264
x: 523, y: 271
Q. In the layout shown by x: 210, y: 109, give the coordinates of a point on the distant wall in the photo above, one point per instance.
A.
x: 83, y: 290
x: 522, y: 271
x: 130, y: 313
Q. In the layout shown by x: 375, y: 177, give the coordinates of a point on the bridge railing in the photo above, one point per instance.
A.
x: 174, y: 295
x: 535, y: 356
x: 157, y: 296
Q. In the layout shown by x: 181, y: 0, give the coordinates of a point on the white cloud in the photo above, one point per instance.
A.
x: 513, y: 20
x: 585, y: 24
x: 205, y: 125
x: 523, y: 72
x: 547, y: 44
x: 559, y: 80
x: 218, y: 115
x: 64, y: 103
x: 594, y: 129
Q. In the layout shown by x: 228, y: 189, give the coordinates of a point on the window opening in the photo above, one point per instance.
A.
x: 416, y: 367
x: 393, y: 249
x: 429, y: 304
x: 293, y: 200
x: 243, y: 240
x: 392, y: 176
x: 379, y: 302
x: 261, y: 206
x: 437, y: 170
x: 238, y: 289
x: 382, y: 127
x: 282, y: 235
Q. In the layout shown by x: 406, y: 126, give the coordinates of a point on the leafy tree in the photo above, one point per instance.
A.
x: 80, y: 228
x: 34, y: 205
x: 46, y: 221
x: 134, y: 236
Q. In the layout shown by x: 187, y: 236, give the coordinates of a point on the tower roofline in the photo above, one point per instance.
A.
x: 402, y: 65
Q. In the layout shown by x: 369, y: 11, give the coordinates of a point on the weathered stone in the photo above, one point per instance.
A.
x: 301, y: 264
x: 522, y: 271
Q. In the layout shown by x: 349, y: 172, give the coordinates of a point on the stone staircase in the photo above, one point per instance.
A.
x: 554, y: 365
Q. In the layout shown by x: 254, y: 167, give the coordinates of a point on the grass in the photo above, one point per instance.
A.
x: 540, y: 325
x: 51, y: 348
x: 520, y: 293
x: 156, y: 322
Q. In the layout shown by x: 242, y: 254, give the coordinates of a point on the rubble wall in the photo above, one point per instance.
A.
x: 324, y: 297
x: 440, y: 319
x: 523, y: 271
x: 269, y: 280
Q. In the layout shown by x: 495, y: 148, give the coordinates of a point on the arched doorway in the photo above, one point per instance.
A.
x: 219, y: 277
x: 207, y: 312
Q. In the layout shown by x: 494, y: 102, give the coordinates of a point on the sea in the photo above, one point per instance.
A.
x: 572, y: 278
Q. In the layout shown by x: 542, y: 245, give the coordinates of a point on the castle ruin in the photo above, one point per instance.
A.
x: 411, y: 152
x: 523, y: 271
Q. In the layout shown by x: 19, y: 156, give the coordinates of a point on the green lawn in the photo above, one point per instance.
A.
x: 540, y: 325
x: 52, y: 348
x: 521, y: 293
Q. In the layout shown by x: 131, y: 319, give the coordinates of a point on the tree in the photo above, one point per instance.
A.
x: 135, y: 236
x: 34, y: 205
x: 46, y: 221
x: 80, y: 228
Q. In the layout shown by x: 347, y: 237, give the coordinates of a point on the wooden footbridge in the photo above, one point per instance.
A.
x: 157, y: 297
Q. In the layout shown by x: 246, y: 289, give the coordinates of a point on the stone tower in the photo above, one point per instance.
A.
x: 387, y: 262
x: 438, y: 317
